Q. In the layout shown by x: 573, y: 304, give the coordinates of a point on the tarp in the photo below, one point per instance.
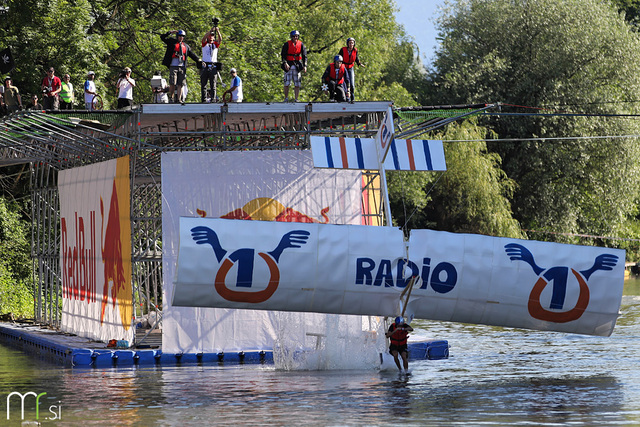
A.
x: 96, y: 250
x: 351, y: 269
x: 257, y: 185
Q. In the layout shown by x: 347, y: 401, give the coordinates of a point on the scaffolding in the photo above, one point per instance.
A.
x: 54, y: 141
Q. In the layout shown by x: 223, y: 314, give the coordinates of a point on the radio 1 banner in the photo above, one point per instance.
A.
x: 95, y: 256
x: 352, y: 269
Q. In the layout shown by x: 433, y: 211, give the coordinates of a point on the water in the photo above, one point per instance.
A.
x: 495, y: 376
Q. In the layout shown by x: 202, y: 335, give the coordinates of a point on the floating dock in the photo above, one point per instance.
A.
x: 71, y: 350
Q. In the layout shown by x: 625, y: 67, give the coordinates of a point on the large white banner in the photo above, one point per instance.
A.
x: 363, y: 270
x: 95, y: 249
x: 261, y: 186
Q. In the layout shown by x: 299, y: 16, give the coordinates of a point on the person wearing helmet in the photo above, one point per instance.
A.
x: 398, y: 333
x: 294, y: 62
x: 349, y: 54
x: 336, y: 79
x: 175, y: 58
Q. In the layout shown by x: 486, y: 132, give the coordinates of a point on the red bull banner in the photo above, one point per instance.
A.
x: 253, y: 186
x: 95, y: 247
x: 363, y: 270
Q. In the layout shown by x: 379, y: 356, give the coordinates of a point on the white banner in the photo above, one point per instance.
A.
x: 95, y: 248
x: 362, y: 270
x: 259, y: 185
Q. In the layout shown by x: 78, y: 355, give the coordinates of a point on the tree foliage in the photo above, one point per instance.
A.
x: 565, y: 56
x: 472, y: 196
x: 76, y: 36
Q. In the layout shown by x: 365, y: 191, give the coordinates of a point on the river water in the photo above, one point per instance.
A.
x: 495, y: 376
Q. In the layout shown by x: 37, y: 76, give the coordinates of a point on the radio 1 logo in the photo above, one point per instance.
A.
x: 55, y: 411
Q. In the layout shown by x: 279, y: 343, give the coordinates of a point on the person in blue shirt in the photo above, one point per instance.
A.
x: 236, y: 87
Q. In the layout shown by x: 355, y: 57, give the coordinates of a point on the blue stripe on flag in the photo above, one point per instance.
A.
x: 327, y: 147
x: 359, y: 153
x: 427, y: 154
x: 394, y: 154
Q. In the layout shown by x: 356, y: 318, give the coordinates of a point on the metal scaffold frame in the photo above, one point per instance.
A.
x: 55, y: 141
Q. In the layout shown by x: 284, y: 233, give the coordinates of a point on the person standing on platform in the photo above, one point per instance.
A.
x: 66, y: 93
x: 89, y: 90
x: 236, y: 87
x: 398, y: 333
x: 51, y: 87
x: 12, y: 99
x: 175, y: 58
x: 125, y: 87
x: 336, y: 79
x: 210, y: 44
x: 35, y: 105
x: 160, y: 88
x: 294, y: 62
x: 349, y: 55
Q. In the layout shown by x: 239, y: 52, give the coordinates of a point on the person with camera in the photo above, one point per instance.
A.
x: 12, y: 100
x: 51, y: 87
x: 210, y: 45
x: 335, y: 80
x: 89, y: 91
x: 160, y: 88
x: 350, y: 58
x: 66, y: 93
x: 175, y: 59
x: 294, y: 62
x: 125, y: 87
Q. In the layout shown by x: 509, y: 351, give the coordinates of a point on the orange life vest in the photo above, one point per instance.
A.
x: 294, y: 50
x: 399, y: 338
x: 348, y: 58
x: 340, y: 76
x: 180, y: 50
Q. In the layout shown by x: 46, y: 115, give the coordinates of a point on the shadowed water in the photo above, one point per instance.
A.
x: 495, y: 376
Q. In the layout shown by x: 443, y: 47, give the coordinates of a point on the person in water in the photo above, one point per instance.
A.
x: 398, y: 333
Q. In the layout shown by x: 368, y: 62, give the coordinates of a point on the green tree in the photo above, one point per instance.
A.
x: 568, y: 56
x: 472, y: 196
x: 15, y: 265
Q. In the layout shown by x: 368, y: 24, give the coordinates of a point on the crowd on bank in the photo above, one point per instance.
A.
x: 338, y: 79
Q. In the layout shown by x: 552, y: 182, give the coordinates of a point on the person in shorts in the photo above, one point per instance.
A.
x: 398, y: 333
x: 175, y: 58
x: 294, y: 62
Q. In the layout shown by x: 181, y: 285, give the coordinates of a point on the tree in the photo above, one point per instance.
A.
x: 472, y: 196
x: 566, y: 56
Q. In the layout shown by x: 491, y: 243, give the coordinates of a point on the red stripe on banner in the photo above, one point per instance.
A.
x: 412, y: 163
x: 343, y: 152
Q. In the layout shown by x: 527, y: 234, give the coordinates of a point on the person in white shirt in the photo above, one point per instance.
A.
x: 236, y: 87
x: 125, y: 87
x: 210, y: 44
x: 160, y: 88
x: 89, y: 90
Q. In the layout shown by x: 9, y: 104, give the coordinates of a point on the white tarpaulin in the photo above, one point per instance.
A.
x: 95, y: 247
x: 362, y: 270
x: 263, y: 186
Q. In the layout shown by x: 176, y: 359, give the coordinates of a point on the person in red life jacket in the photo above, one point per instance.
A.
x: 398, y: 333
x: 175, y: 58
x: 294, y: 62
x: 336, y: 79
x: 350, y: 58
x: 51, y: 87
